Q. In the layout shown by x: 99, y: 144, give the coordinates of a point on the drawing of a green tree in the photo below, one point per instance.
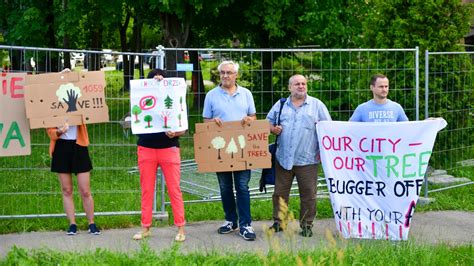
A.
x: 148, y: 119
x: 168, y: 102
x: 179, y: 119
x: 136, y: 110
x: 181, y: 102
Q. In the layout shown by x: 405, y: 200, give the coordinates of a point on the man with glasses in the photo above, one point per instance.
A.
x: 297, y: 153
x: 231, y: 102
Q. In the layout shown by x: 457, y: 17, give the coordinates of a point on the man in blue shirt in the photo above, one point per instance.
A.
x: 230, y: 102
x: 297, y: 152
x: 380, y: 108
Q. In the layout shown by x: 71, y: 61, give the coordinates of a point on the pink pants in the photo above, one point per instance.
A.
x: 169, y: 160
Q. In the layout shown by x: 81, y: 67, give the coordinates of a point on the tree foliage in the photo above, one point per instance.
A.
x: 258, y: 23
x: 432, y: 25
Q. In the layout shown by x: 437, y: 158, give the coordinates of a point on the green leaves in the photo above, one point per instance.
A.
x: 432, y: 25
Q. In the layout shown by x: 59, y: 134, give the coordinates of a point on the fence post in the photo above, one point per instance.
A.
x: 160, y: 57
x: 427, y: 66
x: 163, y: 193
x: 417, y: 80
x: 161, y: 214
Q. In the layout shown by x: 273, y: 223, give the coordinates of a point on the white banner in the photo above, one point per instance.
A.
x: 158, y: 106
x: 374, y: 173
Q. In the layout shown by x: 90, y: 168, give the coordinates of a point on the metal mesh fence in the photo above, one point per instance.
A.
x: 339, y: 77
x: 449, y: 94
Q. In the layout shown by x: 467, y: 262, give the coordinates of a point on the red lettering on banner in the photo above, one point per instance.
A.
x: 93, y: 88
x: 349, y: 163
x: 377, y: 144
x: 14, y: 88
x: 257, y: 153
x: 4, y: 86
x: 258, y: 136
x: 337, y: 143
x: 172, y: 83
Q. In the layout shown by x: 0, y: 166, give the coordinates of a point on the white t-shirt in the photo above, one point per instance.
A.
x: 71, y: 134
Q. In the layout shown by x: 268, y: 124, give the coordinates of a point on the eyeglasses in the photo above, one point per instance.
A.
x: 228, y: 73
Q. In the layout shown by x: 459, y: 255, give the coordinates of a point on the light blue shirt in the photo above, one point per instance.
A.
x: 371, y: 111
x: 218, y: 103
x: 298, y: 141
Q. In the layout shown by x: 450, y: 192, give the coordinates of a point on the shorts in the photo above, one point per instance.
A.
x: 68, y: 157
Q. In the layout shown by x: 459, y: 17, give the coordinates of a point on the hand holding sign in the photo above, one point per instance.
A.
x: 63, y: 129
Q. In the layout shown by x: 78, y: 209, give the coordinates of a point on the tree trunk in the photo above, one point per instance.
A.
x: 176, y: 34
x: 16, y: 60
x: 137, y: 44
x: 67, y: 55
x: 197, y: 82
x: 94, y: 59
x: 50, y: 61
x: 123, y: 44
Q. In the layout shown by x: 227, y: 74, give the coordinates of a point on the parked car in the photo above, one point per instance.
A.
x: 103, y: 62
x: 78, y: 57
x: 119, y: 63
x: 108, y: 57
x: 206, y: 56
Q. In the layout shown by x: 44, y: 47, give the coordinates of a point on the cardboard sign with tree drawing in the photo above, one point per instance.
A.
x: 14, y: 130
x: 73, y: 97
x: 232, y: 147
x: 158, y: 106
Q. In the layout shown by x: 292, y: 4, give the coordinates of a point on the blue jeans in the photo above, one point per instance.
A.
x: 226, y: 183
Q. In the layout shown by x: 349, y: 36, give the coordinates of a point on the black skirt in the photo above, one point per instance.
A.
x: 68, y: 157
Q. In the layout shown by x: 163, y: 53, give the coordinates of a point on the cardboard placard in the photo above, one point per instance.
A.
x: 232, y: 147
x: 14, y: 131
x: 73, y: 97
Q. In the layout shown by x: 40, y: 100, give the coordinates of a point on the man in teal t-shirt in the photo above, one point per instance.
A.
x: 380, y: 108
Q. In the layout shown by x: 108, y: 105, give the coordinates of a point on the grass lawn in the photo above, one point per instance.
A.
x: 351, y: 253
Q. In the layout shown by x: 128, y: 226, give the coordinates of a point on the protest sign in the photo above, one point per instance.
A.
x: 14, y: 130
x: 374, y: 174
x: 158, y: 106
x: 74, y: 97
x: 232, y: 147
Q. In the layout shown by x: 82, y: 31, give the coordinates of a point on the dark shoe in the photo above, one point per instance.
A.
x: 72, y: 231
x: 306, y: 231
x: 93, y: 230
x: 247, y: 233
x: 276, y: 227
x: 227, y: 227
